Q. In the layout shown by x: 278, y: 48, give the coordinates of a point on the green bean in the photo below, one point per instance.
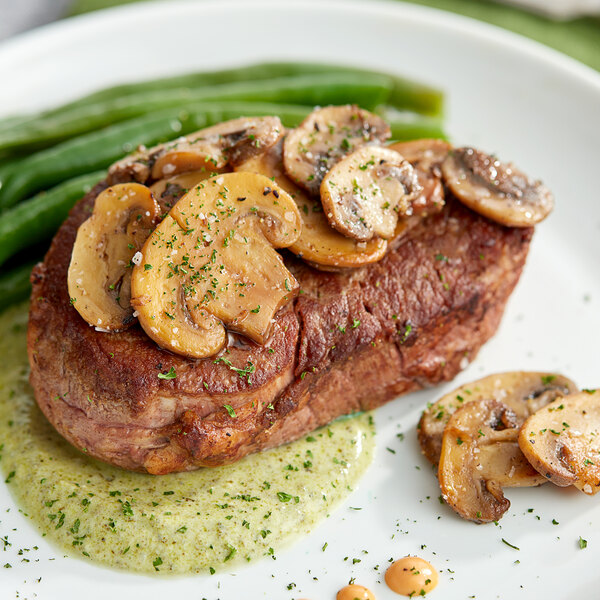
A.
x: 407, y: 127
x: 366, y: 90
x: 97, y: 150
x: 407, y: 94
x: 15, y: 285
x: 37, y: 219
x: 6, y: 168
x: 90, y: 152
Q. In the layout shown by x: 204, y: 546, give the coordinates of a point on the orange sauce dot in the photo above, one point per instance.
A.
x: 411, y: 576
x: 355, y: 592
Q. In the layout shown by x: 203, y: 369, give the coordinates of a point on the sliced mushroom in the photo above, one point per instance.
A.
x: 496, y: 190
x: 480, y: 455
x: 524, y: 392
x: 428, y: 154
x: 212, y: 262
x: 364, y: 193
x: 211, y: 149
x: 319, y: 244
x: 106, y: 247
x: 562, y: 441
x: 427, y: 157
x: 324, y: 137
x: 169, y: 191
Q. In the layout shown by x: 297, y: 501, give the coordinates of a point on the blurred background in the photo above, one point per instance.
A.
x: 570, y: 26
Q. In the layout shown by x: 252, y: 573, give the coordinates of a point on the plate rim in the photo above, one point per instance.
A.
x: 560, y: 64
x: 30, y: 41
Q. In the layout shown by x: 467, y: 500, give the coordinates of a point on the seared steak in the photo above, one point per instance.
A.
x: 351, y: 341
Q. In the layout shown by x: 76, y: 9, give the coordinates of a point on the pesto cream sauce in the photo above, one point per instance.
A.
x: 202, y: 521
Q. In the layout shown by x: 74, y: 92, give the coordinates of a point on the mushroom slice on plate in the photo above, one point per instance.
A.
x: 168, y: 191
x: 319, y: 244
x: 480, y: 455
x: 106, y: 246
x: 426, y: 156
x: 364, y: 193
x: 562, y: 441
x: 324, y: 137
x: 211, y: 262
x: 496, y: 190
x: 524, y: 392
x: 212, y: 149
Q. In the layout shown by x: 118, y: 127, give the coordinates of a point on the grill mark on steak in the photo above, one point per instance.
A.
x: 140, y: 422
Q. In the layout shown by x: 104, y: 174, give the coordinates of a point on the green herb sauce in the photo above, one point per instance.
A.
x: 182, y: 523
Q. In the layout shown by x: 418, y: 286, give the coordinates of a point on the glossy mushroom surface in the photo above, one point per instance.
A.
x: 562, y: 441
x: 524, y: 392
x: 212, y: 263
x: 105, y: 250
x: 324, y: 137
x: 169, y: 191
x: 319, y: 244
x: 212, y: 149
x: 480, y: 455
x: 366, y: 192
x: 496, y: 190
x: 426, y: 156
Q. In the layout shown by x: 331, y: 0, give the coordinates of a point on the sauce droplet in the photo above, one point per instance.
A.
x: 355, y: 592
x: 411, y: 576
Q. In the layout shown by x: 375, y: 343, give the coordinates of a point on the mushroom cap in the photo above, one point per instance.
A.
x: 427, y: 153
x: 99, y: 276
x: 366, y: 191
x: 496, y: 190
x: 319, y: 244
x: 324, y: 137
x: 169, y: 191
x: 211, y: 262
x: 562, y: 441
x: 426, y: 156
x: 480, y: 455
x: 524, y: 392
x: 212, y: 149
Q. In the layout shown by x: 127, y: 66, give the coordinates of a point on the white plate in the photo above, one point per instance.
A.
x: 506, y: 95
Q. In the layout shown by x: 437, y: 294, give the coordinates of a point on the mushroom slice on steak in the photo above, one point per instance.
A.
x: 106, y: 246
x: 364, y: 193
x: 480, y: 455
x: 168, y: 191
x: 212, y: 262
x: 562, y: 441
x: 212, y: 149
x: 522, y: 391
x: 426, y: 156
x: 324, y: 137
x: 319, y: 244
x: 496, y: 190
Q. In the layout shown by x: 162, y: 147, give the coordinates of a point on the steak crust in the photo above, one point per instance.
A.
x: 351, y: 341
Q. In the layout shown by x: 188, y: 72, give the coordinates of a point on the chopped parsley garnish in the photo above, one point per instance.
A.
x: 231, y: 553
x: 171, y: 374
x: 510, y: 545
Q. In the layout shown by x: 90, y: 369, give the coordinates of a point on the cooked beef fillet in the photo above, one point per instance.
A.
x: 351, y: 341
